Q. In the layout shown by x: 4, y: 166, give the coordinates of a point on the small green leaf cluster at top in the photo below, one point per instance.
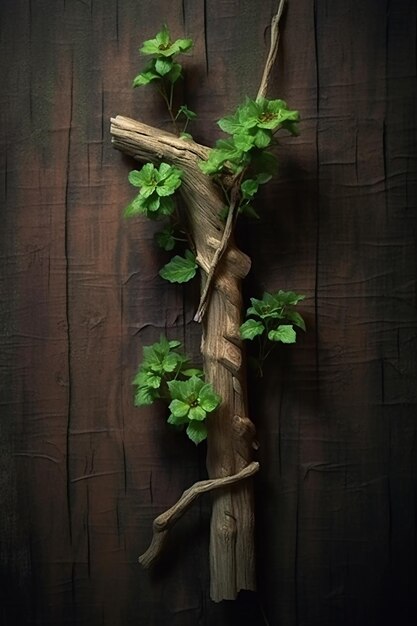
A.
x: 164, y: 70
x: 272, y: 319
x: 165, y: 374
x: 157, y: 185
x: 252, y: 129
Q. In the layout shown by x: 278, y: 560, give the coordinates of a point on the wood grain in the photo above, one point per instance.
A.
x: 83, y: 473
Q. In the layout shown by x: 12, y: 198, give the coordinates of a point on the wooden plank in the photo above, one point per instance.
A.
x: 83, y: 472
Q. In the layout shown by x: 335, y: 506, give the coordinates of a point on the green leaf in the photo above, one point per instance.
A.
x: 166, y: 206
x: 163, y: 37
x: 194, y: 385
x: 262, y: 138
x: 263, y: 177
x: 135, y: 178
x: 244, y: 142
x: 134, y: 208
x: 180, y: 269
x: 193, y: 371
x: 151, y: 204
x: 145, y: 77
x: 249, y: 188
x: 229, y: 124
x: 209, y: 400
x: 163, y: 66
x: 174, y: 343
x: 146, y: 191
x: 262, y: 308
x: 162, y: 46
x: 165, y: 239
x: 156, y: 185
x: 186, y: 136
x: 168, y: 186
x: 175, y: 73
x: 197, y: 413
x: 144, y: 176
x: 288, y: 297
x: 251, y: 329
x: 284, y: 333
x: 140, y: 377
x: 296, y: 319
x: 144, y: 396
x: 153, y: 380
x: 179, y: 408
x: 197, y: 431
x: 184, y: 110
x: 176, y: 389
x: 170, y: 362
x: 177, y: 421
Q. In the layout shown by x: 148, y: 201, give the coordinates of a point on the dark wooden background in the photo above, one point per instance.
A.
x: 82, y: 472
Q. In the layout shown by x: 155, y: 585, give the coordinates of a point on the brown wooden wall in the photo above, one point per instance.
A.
x: 82, y: 472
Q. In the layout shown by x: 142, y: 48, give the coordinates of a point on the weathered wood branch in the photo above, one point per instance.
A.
x: 230, y: 432
x: 221, y: 249
x: 164, y: 522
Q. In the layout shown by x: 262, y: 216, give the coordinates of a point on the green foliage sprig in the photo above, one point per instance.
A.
x: 165, y: 374
x: 164, y: 70
x: 240, y: 164
x: 157, y: 186
x: 275, y: 318
x: 252, y: 129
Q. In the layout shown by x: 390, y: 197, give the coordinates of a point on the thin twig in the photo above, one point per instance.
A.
x: 218, y: 255
x: 166, y: 520
x: 228, y: 229
x: 273, y: 51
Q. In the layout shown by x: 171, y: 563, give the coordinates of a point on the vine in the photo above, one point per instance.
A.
x: 239, y: 165
x: 216, y: 187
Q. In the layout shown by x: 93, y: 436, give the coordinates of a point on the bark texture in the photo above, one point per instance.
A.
x: 230, y: 431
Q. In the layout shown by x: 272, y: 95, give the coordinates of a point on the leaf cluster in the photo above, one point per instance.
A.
x: 165, y: 374
x: 164, y: 70
x: 272, y: 319
x: 156, y: 188
x: 157, y: 185
x: 245, y: 154
x: 275, y: 316
x: 191, y: 401
x: 252, y: 128
x: 163, y: 65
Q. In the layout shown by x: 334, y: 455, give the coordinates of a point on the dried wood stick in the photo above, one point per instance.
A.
x: 228, y: 229
x: 273, y: 51
x: 166, y: 520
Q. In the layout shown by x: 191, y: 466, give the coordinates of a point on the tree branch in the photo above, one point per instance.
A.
x: 273, y: 51
x: 166, y: 520
x: 228, y: 229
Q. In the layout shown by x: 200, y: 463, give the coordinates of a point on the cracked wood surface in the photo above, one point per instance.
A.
x: 82, y: 472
